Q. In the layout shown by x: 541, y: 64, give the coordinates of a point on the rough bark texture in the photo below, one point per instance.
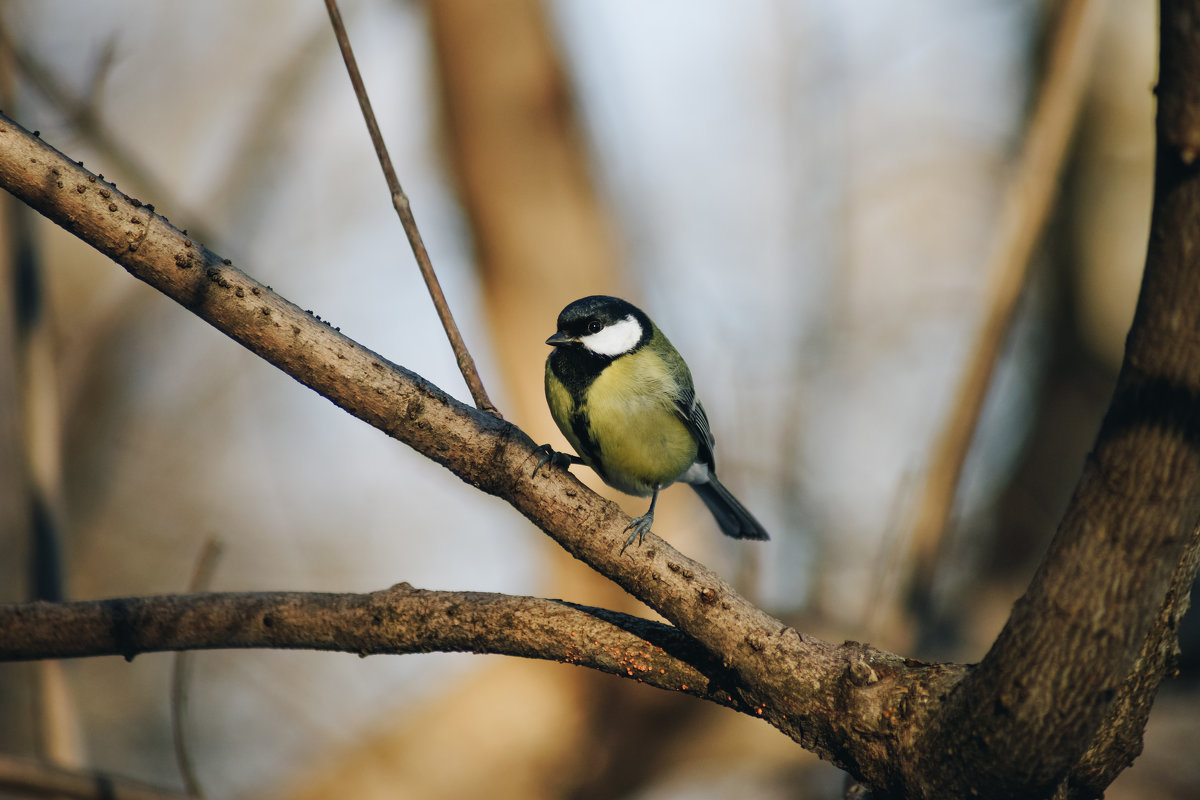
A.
x: 1056, y: 706
x: 1094, y: 625
x: 401, y: 619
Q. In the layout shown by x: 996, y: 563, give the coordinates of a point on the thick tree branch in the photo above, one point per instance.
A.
x: 394, y: 621
x: 1119, y: 739
x: 1072, y: 645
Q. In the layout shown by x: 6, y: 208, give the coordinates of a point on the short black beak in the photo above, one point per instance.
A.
x: 559, y: 338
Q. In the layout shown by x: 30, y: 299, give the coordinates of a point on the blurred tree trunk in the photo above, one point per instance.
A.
x: 16, y: 680
x: 31, y: 513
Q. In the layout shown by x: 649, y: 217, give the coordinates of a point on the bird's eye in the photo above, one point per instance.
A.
x: 595, y: 326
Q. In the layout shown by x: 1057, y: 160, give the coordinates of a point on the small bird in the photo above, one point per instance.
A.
x: 623, y: 397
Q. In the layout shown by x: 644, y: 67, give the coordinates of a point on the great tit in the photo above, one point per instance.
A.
x: 623, y: 397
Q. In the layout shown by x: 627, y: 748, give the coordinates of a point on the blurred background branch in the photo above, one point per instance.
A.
x: 1024, y: 215
x: 84, y: 118
x: 206, y: 565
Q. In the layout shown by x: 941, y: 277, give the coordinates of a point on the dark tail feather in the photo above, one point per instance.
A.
x: 731, y: 515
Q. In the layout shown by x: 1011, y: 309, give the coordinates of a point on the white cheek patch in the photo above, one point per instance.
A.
x: 615, y: 339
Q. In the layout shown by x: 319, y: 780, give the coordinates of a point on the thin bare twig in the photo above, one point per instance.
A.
x: 466, y: 364
x: 1026, y: 208
x: 181, y: 675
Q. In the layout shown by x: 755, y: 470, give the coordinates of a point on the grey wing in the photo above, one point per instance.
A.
x: 696, y: 420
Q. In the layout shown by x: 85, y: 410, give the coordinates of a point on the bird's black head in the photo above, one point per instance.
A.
x: 604, y: 326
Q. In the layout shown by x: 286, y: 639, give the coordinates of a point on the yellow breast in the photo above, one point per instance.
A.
x: 632, y: 416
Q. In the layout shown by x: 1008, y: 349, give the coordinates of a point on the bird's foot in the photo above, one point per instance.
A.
x: 638, y: 530
x: 548, y: 455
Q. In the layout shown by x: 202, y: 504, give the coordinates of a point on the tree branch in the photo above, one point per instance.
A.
x: 466, y: 364
x: 1128, y: 542
x: 394, y: 621
x: 1120, y: 736
x: 1027, y: 206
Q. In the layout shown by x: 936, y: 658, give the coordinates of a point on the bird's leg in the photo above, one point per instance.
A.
x: 548, y: 455
x: 642, y: 524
